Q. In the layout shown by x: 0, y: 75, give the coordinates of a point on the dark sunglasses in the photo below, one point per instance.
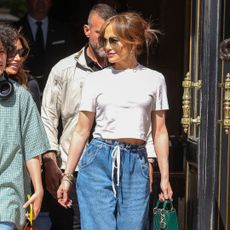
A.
x: 113, y: 42
x: 21, y: 52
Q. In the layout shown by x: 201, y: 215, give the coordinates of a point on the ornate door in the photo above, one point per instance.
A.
x: 206, y: 116
x: 191, y: 106
x: 223, y: 198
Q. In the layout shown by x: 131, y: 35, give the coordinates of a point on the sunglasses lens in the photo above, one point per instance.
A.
x: 113, y: 41
x: 21, y: 52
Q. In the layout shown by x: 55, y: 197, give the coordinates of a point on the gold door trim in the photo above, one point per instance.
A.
x: 220, y: 150
x: 192, y: 134
x: 193, y: 62
x: 228, y: 188
x: 221, y: 118
x: 228, y: 164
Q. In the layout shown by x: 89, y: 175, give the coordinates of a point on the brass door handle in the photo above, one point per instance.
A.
x: 186, y: 119
x: 196, y: 120
x: 227, y: 103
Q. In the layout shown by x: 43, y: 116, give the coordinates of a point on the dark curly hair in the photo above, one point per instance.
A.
x: 8, y: 36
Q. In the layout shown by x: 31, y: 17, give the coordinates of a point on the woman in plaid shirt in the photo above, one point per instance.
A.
x: 23, y: 140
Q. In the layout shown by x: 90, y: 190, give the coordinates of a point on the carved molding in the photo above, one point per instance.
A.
x: 225, y: 50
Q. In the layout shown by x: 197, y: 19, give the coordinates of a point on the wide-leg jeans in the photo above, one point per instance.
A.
x: 113, y: 186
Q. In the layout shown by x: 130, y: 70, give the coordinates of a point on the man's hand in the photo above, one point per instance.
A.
x: 53, y: 173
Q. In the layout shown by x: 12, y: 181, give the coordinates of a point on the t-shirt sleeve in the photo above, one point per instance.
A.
x: 160, y: 101
x: 88, y: 99
x: 34, y: 138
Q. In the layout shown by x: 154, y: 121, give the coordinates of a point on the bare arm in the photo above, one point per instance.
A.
x: 151, y: 177
x: 151, y: 155
x: 161, y: 144
x: 78, y: 142
x: 34, y: 168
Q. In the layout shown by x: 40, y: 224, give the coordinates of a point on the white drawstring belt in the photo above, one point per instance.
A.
x: 116, y: 164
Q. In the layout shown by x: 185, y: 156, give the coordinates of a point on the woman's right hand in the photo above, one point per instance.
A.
x: 166, y: 189
x: 62, y: 194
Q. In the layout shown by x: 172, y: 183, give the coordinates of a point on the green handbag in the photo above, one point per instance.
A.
x: 164, y: 216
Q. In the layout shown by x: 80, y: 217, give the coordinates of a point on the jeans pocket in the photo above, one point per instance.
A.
x: 145, y: 169
x: 144, y: 164
x: 89, y: 156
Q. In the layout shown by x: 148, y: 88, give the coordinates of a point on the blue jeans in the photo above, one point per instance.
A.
x: 113, y: 186
x: 6, y: 226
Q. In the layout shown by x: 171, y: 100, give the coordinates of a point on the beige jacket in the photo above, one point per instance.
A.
x: 61, y: 98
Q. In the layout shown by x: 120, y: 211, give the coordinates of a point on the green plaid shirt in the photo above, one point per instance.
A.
x: 22, y: 137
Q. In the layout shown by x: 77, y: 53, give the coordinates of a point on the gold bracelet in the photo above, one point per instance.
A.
x: 68, y: 177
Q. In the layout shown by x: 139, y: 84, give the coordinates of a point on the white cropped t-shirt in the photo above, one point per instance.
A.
x: 123, y: 101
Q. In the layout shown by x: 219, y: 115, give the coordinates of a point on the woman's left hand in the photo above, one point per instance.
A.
x: 166, y: 190
x: 36, y: 201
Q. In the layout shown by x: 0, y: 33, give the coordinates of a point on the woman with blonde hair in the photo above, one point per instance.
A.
x: 125, y: 99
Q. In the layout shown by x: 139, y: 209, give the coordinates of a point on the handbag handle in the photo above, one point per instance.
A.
x: 164, y: 217
x: 165, y: 202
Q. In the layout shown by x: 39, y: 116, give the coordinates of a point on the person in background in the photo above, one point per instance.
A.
x: 49, y: 39
x: 23, y: 140
x: 15, y: 70
x: 61, y: 98
x: 119, y: 5
x: 124, y: 99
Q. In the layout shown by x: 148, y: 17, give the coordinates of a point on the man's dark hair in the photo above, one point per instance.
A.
x: 104, y: 11
x: 8, y: 36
